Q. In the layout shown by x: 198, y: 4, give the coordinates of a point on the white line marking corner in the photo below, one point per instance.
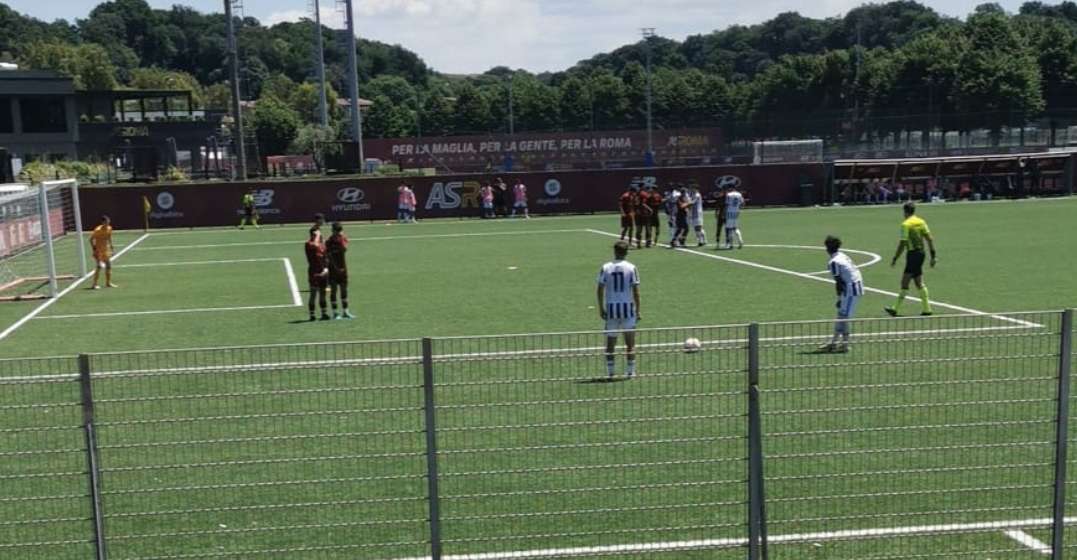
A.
x: 48, y: 303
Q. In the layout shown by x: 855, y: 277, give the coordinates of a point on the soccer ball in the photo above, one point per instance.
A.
x: 692, y: 345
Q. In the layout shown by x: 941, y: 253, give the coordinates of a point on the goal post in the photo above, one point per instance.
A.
x: 41, y: 239
x: 787, y: 151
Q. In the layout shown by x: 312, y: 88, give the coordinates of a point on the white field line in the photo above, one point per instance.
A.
x: 292, y: 285
x: 197, y: 263
x: 165, y: 312
x: 415, y: 359
x: 365, y: 239
x: 872, y: 257
x: 293, y: 289
x: 855, y: 534
x: 382, y: 224
x: 48, y: 303
x: 1028, y: 540
x: 827, y: 280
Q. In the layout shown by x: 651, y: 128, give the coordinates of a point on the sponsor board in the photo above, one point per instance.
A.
x: 452, y: 195
x: 263, y: 202
x: 552, y: 189
x: 165, y: 202
x: 350, y: 199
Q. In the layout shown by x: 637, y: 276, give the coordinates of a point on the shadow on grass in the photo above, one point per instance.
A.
x: 596, y: 380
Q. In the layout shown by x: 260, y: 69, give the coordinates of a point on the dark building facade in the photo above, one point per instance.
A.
x: 43, y: 117
x: 38, y: 115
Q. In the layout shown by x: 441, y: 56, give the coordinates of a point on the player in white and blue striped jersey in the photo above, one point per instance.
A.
x: 734, y: 201
x: 850, y: 286
x: 618, y: 303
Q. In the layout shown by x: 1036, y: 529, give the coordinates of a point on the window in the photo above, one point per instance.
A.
x: 43, y: 114
x: 7, y: 124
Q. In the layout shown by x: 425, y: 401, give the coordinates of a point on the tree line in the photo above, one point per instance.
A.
x: 879, y: 69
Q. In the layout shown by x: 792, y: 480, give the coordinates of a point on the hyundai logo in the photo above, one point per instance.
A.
x: 351, y: 195
x: 727, y: 182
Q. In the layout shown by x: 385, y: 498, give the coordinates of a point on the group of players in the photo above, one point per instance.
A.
x: 327, y: 267
x: 683, y: 205
x: 618, y: 281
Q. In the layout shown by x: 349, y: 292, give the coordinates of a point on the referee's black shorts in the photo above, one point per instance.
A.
x: 914, y: 263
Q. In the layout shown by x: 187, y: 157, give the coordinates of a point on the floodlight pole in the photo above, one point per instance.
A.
x: 237, y: 115
x: 353, y: 81
x: 648, y: 33
x: 323, y: 109
x: 512, y: 114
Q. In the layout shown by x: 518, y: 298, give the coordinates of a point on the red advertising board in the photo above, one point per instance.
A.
x: 22, y: 233
x: 530, y: 151
x: 556, y: 192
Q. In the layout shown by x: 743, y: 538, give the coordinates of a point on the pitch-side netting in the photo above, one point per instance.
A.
x: 41, y: 249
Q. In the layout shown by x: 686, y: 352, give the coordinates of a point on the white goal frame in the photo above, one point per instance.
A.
x: 39, y: 222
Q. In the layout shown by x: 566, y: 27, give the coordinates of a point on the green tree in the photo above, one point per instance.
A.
x: 157, y: 78
x: 88, y: 64
x: 278, y: 85
x: 537, y: 106
x: 315, y: 140
x: 998, y: 79
x: 577, y: 104
x: 472, y: 111
x: 275, y: 125
x: 437, y: 116
x: 305, y: 99
x: 611, y: 101
x: 218, y: 97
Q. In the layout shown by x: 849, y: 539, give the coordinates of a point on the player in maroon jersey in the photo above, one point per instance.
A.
x: 317, y: 272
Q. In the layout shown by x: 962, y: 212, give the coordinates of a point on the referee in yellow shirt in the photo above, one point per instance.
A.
x: 914, y: 233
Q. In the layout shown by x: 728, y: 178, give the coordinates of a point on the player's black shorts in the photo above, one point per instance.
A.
x: 627, y: 221
x: 914, y: 263
x: 682, y: 222
x: 338, y: 277
x: 248, y: 211
x: 653, y: 221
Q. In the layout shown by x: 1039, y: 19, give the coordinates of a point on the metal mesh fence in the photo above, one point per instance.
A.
x: 540, y: 452
x: 44, y: 507
x: 286, y: 451
x: 930, y: 438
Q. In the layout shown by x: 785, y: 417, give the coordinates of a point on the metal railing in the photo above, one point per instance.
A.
x: 932, y: 437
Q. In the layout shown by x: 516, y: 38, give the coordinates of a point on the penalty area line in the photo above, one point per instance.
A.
x: 166, y: 311
x: 827, y: 280
x: 293, y: 286
x: 365, y: 239
x: 1028, y: 540
x: 48, y: 303
x: 849, y: 535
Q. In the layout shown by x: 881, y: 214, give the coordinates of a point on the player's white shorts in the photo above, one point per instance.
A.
x: 615, y: 326
x: 847, y: 306
x: 731, y: 223
x: 520, y: 205
x: 696, y: 222
x: 488, y: 205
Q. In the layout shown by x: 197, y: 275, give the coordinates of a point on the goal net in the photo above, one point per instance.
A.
x: 787, y: 151
x: 41, y: 248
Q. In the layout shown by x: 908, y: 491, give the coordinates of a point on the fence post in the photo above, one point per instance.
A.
x: 429, y: 410
x: 757, y: 522
x: 1062, y: 433
x: 92, y: 457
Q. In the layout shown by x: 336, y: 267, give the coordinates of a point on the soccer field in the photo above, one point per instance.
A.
x: 932, y: 438
x: 224, y: 287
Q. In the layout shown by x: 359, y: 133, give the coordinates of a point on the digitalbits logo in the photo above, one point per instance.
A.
x: 552, y: 188
x: 165, y: 200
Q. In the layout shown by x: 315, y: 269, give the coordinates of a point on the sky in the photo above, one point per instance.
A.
x: 472, y: 36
